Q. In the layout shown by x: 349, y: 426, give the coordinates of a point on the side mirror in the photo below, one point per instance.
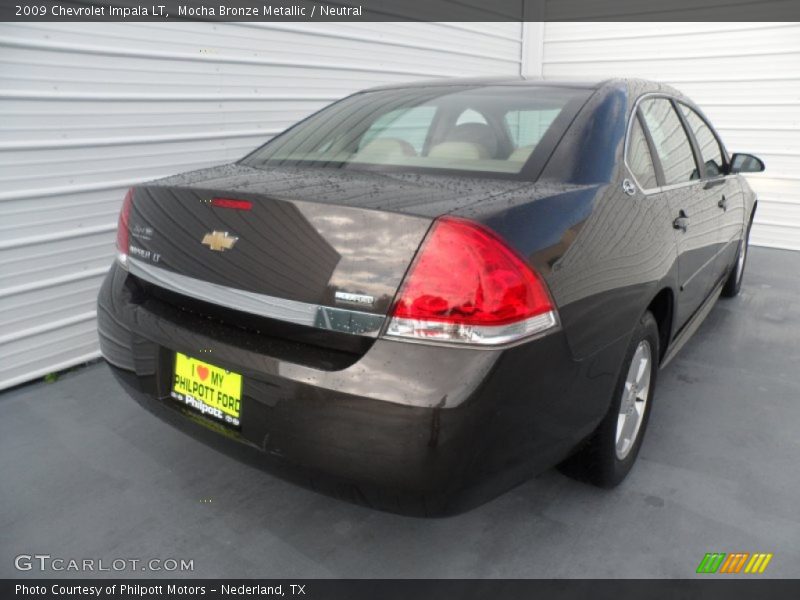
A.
x: 746, y: 163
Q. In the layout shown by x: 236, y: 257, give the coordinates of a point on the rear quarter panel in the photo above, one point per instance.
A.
x: 604, y: 254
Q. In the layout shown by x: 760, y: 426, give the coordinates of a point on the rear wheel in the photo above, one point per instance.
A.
x: 610, y: 453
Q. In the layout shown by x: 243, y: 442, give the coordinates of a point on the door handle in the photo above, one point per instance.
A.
x: 682, y: 222
x: 723, y: 203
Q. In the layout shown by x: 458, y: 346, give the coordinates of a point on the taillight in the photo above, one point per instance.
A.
x: 467, y: 286
x: 234, y: 204
x: 122, y: 228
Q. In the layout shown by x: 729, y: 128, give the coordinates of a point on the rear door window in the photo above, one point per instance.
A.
x: 671, y: 143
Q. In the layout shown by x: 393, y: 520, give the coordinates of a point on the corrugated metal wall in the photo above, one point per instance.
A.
x: 745, y: 76
x: 86, y: 110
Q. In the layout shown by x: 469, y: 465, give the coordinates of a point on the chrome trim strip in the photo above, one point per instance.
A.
x: 301, y: 313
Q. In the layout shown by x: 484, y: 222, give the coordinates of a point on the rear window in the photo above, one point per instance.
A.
x: 409, y: 125
x: 491, y: 130
x: 527, y: 127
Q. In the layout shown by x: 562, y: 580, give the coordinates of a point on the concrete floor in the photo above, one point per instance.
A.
x: 86, y: 473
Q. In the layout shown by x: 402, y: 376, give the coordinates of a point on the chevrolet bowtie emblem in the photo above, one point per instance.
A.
x: 219, y: 240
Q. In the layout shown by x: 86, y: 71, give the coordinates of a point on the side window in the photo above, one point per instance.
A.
x: 669, y: 138
x: 708, y: 142
x: 639, y: 160
x: 407, y: 126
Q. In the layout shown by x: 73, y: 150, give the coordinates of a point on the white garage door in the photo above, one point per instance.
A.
x: 745, y: 76
x: 86, y: 110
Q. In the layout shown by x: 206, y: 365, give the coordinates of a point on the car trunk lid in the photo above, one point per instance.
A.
x: 270, y: 254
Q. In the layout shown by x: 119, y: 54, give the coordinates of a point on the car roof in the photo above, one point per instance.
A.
x: 486, y: 82
x: 626, y: 83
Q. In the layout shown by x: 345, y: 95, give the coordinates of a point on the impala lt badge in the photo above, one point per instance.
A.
x: 362, y: 299
x: 219, y: 240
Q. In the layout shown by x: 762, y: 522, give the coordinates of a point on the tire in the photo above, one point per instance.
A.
x: 603, y: 460
x: 734, y: 281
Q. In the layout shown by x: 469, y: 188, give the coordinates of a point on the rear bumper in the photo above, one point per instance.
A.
x: 445, y: 426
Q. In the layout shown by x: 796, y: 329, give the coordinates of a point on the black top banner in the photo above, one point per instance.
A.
x: 400, y: 10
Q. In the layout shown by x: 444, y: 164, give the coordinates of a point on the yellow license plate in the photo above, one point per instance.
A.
x: 211, y: 390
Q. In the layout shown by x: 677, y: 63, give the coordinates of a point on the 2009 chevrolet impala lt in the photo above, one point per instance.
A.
x: 423, y: 294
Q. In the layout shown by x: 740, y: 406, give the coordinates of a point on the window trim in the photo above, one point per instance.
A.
x: 662, y: 187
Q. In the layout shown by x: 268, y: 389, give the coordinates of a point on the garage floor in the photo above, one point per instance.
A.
x: 86, y: 473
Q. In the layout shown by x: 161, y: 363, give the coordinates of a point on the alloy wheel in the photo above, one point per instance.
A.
x: 634, y: 399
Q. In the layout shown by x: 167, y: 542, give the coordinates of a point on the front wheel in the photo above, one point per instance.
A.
x: 611, y: 451
x: 734, y: 281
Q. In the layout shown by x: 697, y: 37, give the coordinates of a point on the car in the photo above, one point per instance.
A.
x: 424, y: 294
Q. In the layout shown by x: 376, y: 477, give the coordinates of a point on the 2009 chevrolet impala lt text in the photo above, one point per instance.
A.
x: 423, y: 294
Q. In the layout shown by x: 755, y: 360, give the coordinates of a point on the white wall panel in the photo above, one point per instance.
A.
x: 745, y: 76
x: 87, y: 110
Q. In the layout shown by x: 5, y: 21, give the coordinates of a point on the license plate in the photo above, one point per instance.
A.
x: 208, y: 389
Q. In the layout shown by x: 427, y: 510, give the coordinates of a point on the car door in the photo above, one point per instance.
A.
x: 696, y: 217
x: 724, y: 188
